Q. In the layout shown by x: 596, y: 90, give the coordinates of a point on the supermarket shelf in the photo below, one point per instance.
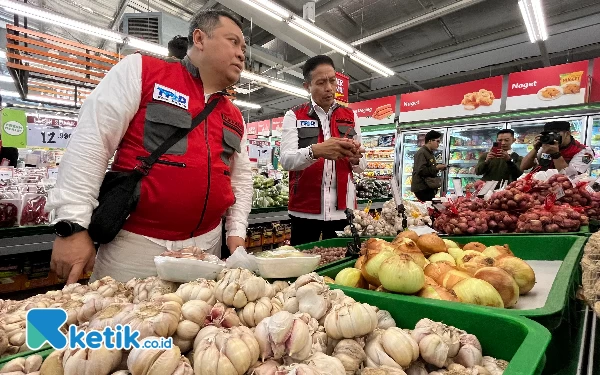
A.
x: 379, y: 148
x: 470, y: 147
x: 26, y: 244
x: 463, y: 162
x: 461, y: 175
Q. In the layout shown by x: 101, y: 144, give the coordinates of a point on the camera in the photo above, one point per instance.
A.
x: 548, y: 138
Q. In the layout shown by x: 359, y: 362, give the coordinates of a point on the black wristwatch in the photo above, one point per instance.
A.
x: 65, y: 228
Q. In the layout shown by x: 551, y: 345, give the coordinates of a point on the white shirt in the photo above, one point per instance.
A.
x: 103, y: 120
x: 295, y: 159
x: 580, y: 163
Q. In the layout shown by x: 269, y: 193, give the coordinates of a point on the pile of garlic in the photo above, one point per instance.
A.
x: 242, y: 324
x: 387, y: 224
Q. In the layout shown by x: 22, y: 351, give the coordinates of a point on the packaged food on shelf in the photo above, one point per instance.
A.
x: 370, y: 188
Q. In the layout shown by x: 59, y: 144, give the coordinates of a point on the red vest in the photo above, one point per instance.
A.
x: 189, y: 189
x: 306, y: 186
x: 569, y: 152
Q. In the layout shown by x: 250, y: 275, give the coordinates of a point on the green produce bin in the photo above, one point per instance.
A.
x: 583, y: 231
x: 334, y: 242
x: 520, y: 341
x: 44, y: 351
x: 558, y: 313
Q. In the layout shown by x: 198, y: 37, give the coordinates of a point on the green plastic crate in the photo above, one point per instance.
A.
x: 520, y: 341
x: 583, y: 231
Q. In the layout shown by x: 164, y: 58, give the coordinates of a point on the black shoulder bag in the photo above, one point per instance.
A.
x: 120, y: 191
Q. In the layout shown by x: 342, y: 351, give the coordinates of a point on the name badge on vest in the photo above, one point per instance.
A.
x: 170, y: 96
x: 307, y: 124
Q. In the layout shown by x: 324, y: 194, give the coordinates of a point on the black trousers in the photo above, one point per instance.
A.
x: 308, y: 230
x: 425, y: 195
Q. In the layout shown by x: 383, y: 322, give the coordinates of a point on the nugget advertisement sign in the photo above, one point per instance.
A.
x: 376, y: 111
x: 548, y: 87
x: 465, y: 99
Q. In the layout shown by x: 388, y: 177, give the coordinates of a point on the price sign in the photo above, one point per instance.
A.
x: 43, y: 136
x: 53, y: 173
x: 6, y: 173
x: 458, y: 190
x: 489, y: 186
x: 259, y: 149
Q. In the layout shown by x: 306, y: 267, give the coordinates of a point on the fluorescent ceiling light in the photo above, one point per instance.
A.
x: 6, y: 79
x: 533, y: 16
x: 10, y: 94
x: 270, y: 9
x: 2, y: 54
x: 319, y: 35
x: 254, y: 77
x: 51, y: 116
x: 241, y: 103
x: 46, y: 99
x: 147, y: 46
x: 53, y: 18
x: 370, y: 63
x: 288, y: 88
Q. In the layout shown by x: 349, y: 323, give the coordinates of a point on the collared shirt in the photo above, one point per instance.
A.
x: 295, y: 159
x: 103, y: 121
x: 580, y: 163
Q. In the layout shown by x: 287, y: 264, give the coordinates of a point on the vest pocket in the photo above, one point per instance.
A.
x: 231, y: 143
x: 345, y: 128
x: 308, y: 136
x: 161, y: 122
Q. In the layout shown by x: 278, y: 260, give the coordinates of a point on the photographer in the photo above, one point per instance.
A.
x: 556, y: 148
x: 501, y: 163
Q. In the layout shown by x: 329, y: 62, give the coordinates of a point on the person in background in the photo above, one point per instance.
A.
x: 9, y: 156
x: 563, y: 153
x: 426, y: 167
x: 200, y: 179
x: 321, y: 147
x: 501, y: 163
x: 178, y: 47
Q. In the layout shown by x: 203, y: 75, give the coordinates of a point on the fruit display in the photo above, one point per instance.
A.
x: 268, y: 194
x: 430, y: 267
x: 371, y: 188
x: 242, y: 324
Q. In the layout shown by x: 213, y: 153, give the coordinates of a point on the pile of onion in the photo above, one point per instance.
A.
x: 558, y: 219
x: 465, y: 222
x: 511, y: 200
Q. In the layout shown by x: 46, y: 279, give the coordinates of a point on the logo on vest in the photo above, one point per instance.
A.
x: 307, y: 124
x: 170, y: 96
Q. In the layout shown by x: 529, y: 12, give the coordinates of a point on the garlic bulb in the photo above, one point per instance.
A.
x: 53, y: 364
x: 33, y: 363
x: 393, y: 347
x: 280, y: 285
x: 493, y: 365
x: 100, y: 361
x: 434, y: 350
x: 75, y: 288
x: 152, y: 318
x: 350, y: 320
x: 312, y: 299
x: 287, y: 299
x: 153, y: 361
x: 14, y: 365
x: 238, y: 287
x: 265, y: 368
x: 196, y: 311
x: 145, y: 289
x: 416, y: 368
x: 222, y: 316
x: 337, y: 297
x: 200, y: 289
x: 254, y: 312
x: 448, y: 334
x: 468, y: 356
x: 107, y: 317
x: 72, y: 308
x: 283, y: 335
x: 108, y: 287
x: 326, y: 364
x: 3, y: 342
x: 382, y: 370
x: 229, y: 352
x: 351, y: 354
x: 385, y: 320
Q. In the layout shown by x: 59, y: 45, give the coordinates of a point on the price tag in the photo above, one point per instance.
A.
x: 559, y: 192
x: 276, y: 175
x: 259, y: 150
x: 44, y: 136
x: 6, y: 173
x: 53, y: 173
x: 458, y: 189
x: 487, y: 187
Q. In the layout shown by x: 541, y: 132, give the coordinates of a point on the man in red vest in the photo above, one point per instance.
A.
x: 556, y: 148
x: 321, y: 147
x: 202, y: 178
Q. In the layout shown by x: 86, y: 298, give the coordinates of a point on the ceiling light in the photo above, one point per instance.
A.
x: 2, y: 54
x: 147, y: 46
x: 319, y: 35
x: 46, y: 99
x: 288, y: 88
x: 10, y: 94
x: 533, y: 16
x: 254, y: 77
x: 6, y: 79
x: 37, y: 114
x: 269, y: 8
x: 53, y: 18
x: 372, y: 64
x: 241, y: 103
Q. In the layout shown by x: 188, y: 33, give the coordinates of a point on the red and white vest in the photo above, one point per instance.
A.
x: 306, y: 185
x: 189, y: 189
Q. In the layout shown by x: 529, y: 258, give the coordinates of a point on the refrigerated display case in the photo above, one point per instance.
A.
x: 593, y: 140
x: 379, y: 152
x: 466, y: 145
x: 410, y: 143
x: 526, y: 131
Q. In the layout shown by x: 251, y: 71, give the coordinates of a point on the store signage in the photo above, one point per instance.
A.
x: 252, y: 128
x: 49, y: 121
x: 48, y: 136
x: 376, y: 111
x: 341, y: 88
x: 548, y: 87
x: 264, y: 127
x: 14, y: 128
x: 276, y: 126
x: 595, y: 89
x: 259, y: 149
x: 465, y: 99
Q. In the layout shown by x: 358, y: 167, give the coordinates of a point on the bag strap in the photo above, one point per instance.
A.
x: 179, y: 134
